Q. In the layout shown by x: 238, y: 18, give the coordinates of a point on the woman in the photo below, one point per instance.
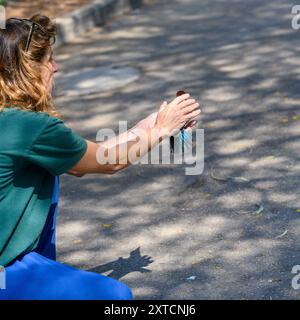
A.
x: 35, y: 149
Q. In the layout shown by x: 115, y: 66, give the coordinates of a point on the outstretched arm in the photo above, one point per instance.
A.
x: 132, y: 145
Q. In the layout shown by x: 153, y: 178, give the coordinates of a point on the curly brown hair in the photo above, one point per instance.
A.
x: 21, y: 83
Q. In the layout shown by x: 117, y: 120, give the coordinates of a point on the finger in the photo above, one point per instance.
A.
x: 182, y: 124
x: 187, y: 103
x: 191, y: 108
x: 181, y: 98
x: 193, y: 115
x: 191, y: 124
x: 194, y: 123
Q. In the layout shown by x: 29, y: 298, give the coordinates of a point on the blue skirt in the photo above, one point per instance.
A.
x: 37, y: 276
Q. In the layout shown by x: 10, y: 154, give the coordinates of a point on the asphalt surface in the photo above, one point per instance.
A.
x: 232, y: 232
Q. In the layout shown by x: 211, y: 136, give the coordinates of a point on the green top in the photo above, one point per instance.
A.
x: 34, y: 148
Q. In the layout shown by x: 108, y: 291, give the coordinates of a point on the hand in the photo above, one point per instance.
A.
x: 148, y: 122
x: 181, y: 112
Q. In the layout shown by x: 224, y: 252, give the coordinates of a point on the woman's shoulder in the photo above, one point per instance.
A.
x: 27, y: 125
x: 20, y: 112
x: 26, y: 117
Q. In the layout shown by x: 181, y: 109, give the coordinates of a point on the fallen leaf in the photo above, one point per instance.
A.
x: 298, y: 210
x: 260, y: 209
x: 284, y: 120
x: 282, y: 234
x: 295, y: 118
x: 223, y: 179
x: 106, y: 225
x: 240, y: 179
x: 191, y: 278
x: 274, y: 280
x: 77, y: 241
x: 269, y: 158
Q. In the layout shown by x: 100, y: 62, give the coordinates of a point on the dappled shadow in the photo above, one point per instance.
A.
x: 123, y: 266
x: 236, y: 227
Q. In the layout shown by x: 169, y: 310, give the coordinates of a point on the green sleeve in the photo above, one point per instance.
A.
x: 57, y: 148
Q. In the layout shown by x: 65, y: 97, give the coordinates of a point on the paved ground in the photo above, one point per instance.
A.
x: 235, y: 227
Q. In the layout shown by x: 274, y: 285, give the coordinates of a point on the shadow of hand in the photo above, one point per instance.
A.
x: 123, y: 266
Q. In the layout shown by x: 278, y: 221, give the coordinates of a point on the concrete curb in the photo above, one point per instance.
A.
x: 87, y: 17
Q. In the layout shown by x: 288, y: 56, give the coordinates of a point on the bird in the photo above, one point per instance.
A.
x: 185, y: 138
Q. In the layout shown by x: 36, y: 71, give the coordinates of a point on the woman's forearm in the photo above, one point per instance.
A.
x: 117, y: 153
x: 129, y: 147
